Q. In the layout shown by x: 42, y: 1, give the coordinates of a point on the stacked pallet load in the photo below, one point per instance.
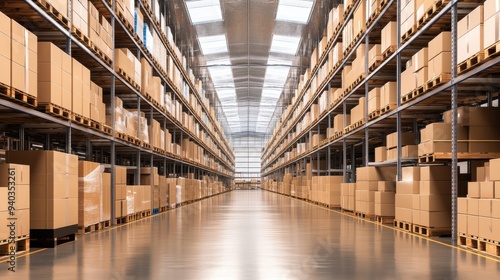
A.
x: 373, y: 103
x: 388, y: 97
x: 23, y: 65
x: 385, y: 205
x: 358, y: 114
x: 374, y: 57
x: 125, y: 11
x: 348, y: 197
x: 423, y: 205
x: 80, y: 89
x: 367, y: 182
x: 388, y: 39
x: 439, y: 64
x: 479, y: 212
x: 436, y: 138
x: 89, y: 196
x: 100, y: 33
x: 16, y: 180
x: 80, y: 17
x: 97, y: 107
x: 491, y: 17
x: 53, y: 194
x: 287, y: 184
x: 128, y: 66
x: 415, y: 76
x: 120, y: 192
x: 408, y: 27
x: 470, y: 39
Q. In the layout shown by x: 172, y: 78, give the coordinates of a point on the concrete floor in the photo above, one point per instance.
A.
x: 252, y: 235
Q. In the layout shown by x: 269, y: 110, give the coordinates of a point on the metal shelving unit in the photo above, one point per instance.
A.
x: 354, y: 147
x: 39, y: 127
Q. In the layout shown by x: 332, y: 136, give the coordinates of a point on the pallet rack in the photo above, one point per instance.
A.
x: 353, y: 147
x: 29, y: 128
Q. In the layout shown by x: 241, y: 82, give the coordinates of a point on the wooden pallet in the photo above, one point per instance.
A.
x: 128, y: 79
x: 413, y: 94
x: 436, y: 81
x: 356, y: 82
x: 125, y: 22
x: 431, y: 231
x: 405, y: 37
x: 23, y: 97
x: 431, y: 11
x: 93, y: 227
x: 80, y: 119
x: 53, y: 12
x: 97, y: 51
x: 492, y: 50
x: 470, y: 63
x: 106, y: 129
x: 375, y: 64
x: 348, y: 9
x: 390, y: 50
x: 374, y: 115
x: 80, y: 36
x: 163, y: 209
x: 384, y: 219
x: 478, y: 244
x: 369, y: 217
x: 146, y: 145
x: 387, y: 108
x: 348, y: 212
x: 430, y: 158
x: 55, y: 110
x: 22, y: 243
x: 403, y: 225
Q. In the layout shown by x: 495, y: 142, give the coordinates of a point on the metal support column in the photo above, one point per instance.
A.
x: 68, y: 140
x: 353, y: 164
x: 22, y: 144
x: 454, y: 120
x: 366, y: 146
x: 113, y: 144
x: 88, y: 150
x: 344, y: 145
x: 398, y: 93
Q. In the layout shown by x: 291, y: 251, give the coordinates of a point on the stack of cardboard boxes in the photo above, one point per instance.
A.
x: 491, y: 19
x: 374, y: 55
x: 24, y: 59
x: 479, y: 126
x: 407, y: 11
x: 5, y: 49
x: 100, y: 32
x: 479, y: 212
x: 358, y: 112
x: 416, y: 74
x: 97, y: 106
x: 55, y: 79
x: 470, y: 35
x: 127, y: 63
x: 348, y: 196
x: 367, y: 183
x: 53, y: 190
x: 80, y: 89
x: 388, y: 96
x: 385, y: 199
x: 17, y: 176
x: 335, y: 18
x: 80, y: 15
x: 120, y: 191
x: 388, y: 37
x: 436, y: 138
x: 89, y: 193
x: 126, y: 8
x: 439, y: 55
x: 373, y: 101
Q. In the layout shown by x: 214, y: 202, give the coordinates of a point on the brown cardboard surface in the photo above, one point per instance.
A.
x: 487, y: 190
x: 472, y: 225
x: 473, y: 190
x: 14, y: 173
x: 462, y: 205
x: 473, y: 206
x: 435, y: 219
x: 407, y: 187
x: 435, y: 187
x: 440, y: 43
x: 380, y: 154
x: 404, y: 200
x: 435, y: 173
x: 410, y: 173
x: 462, y: 223
x: 435, y: 203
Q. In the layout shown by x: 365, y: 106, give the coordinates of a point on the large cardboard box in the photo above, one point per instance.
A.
x: 371, y: 173
x: 492, y: 25
x: 54, y: 187
x: 407, y: 138
x: 380, y: 154
x: 407, y: 187
x: 89, y: 193
x: 440, y: 43
x: 435, y: 219
x: 388, y: 36
x: 439, y: 64
x: 474, y: 116
x: 5, y: 49
x: 435, y: 187
x: 484, y: 139
x: 388, y: 94
x: 470, y: 43
x: 50, y: 83
x: 410, y: 173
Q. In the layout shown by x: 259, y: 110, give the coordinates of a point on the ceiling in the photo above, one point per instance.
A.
x: 229, y: 44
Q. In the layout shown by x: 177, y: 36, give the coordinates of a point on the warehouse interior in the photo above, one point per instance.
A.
x: 249, y: 139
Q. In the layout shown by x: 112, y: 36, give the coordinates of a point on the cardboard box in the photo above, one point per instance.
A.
x: 435, y: 219
x: 435, y: 202
x: 487, y: 190
x: 470, y: 43
x: 495, y: 208
x: 492, y: 24
x: 376, y: 174
x: 484, y: 133
x: 474, y: 116
x: 407, y: 187
x: 473, y: 206
x: 485, y: 227
x: 386, y: 186
x: 470, y: 21
x: 484, y: 207
x: 407, y: 138
x: 435, y: 173
x: 374, y: 100
x: 404, y: 200
x: 388, y: 94
x: 14, y: 173
x: 404, y: 214
x: 410, y: 173
x: 441, y: 63
x: 462, y: 223
x: 388, y: 36
x: 380, y: 154
x: 462, y: 205
x: 435, y: 187
x: 473, y: 225
x: 473, y: 190
x: 415, y: 205
x: 440, y: 43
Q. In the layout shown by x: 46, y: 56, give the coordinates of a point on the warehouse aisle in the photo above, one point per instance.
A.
x: 252, y: 235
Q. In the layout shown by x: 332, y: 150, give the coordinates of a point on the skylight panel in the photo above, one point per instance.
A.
x: 204, y: 11
x: 213, y: 44
x: 298, y: 11
x: 285, y: 44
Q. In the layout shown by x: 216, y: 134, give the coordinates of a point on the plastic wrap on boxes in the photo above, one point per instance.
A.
x: 130, y: 201
x: 139, y: 24
x: 148, y: 39
x: 178, y: 193
x: 91, y: 185
x: 120, y: 124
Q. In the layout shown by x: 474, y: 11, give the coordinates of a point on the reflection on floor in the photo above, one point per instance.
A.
x: 252, y: 234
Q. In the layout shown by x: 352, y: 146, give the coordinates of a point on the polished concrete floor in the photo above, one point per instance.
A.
x: 252, y: 235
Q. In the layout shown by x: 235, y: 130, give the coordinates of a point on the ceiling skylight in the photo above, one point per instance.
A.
x: 213, y: 44
x: 297, y: 11
x: 285, y: 44
x: 204, y: 11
